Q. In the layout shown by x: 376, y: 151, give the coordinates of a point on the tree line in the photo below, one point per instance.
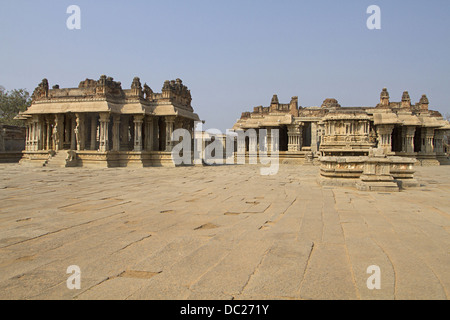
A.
x: 11, y: 103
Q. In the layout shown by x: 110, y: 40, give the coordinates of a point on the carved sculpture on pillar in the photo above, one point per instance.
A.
x: 104, y: 128
x: 55, y: 137
x: 170, y: 120
x: 138, y: 119
x: 79, y: 131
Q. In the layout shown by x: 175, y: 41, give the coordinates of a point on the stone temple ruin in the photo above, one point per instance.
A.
x: 399, y: 128
x: 101, y: 124
x: 371, y: 148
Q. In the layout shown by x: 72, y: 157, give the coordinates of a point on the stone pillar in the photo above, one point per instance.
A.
x: 169, y: 130
x: 31, y: 136
x: 26, y: 136
x: 93, y: 141
x: 104, y: 129
x: 66, y: 128
x: 124, y: 133
x: 48, y: 133
x: 36, y: 133
x: 149, y: 133
x: 403, y: 136
x: 439, y: 142
x: 252, y: 144
x: 58, y: 131
x: 269, y: 140
x: 294, y: 141
x: 43, y: 135
x: 410, y: 132
x: 79, y: 131
x: 384, y: 133
x: 39, y: 134
x: 116, y: 133
x: 156, y: 134
x: 241, y: 145
x: 73, y: 141
x: 138, y: 120
x: 313, y: 136
x: 427, y: 140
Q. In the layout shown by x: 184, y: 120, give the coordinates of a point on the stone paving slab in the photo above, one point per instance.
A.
x: 222, y: 232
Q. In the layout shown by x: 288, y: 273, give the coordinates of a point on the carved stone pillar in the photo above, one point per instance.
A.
x: 116, y: 133
x: 93, y: 132
x: 124, y: 133
x: 253, y: 144
x: 314, y: 138
x: 149, y: 133
x: 410, y: 132
x: 48, y: 135
x: 427, y: 140
x: 138, y: 120
x: 27, y: 136
x: 32, y: 135
x: 156, y: 136
x: 269, y: 140
x: 439, y: 142
x: 66, y: 127
x: 80, y: 131
x: 384, y: 133
x: 41, y: 128
x: 294, y: 141
x: 241, y: 145
x: 36, y: 133
x: 58, y: 132
x: 170, y: 120
x: 104, y: 129
x: 73, y: 139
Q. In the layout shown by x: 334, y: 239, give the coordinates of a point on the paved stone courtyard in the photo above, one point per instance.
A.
x: 219, y: 233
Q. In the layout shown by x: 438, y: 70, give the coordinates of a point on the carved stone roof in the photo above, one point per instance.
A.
x: 107, y: 95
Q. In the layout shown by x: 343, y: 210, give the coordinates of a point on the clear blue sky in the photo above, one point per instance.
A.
x: 235, y: 54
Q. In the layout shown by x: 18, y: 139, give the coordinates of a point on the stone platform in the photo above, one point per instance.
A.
x: 219, y: 233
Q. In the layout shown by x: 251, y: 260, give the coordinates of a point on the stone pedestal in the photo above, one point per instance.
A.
x: 377, y: 176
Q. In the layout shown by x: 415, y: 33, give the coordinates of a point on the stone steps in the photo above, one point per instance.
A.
x: 59, y: 160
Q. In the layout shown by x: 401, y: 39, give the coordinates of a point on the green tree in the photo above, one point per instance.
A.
x: 11, y: 103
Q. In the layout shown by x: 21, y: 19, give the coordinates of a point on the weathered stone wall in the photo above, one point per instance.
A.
x: 12, y: 138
